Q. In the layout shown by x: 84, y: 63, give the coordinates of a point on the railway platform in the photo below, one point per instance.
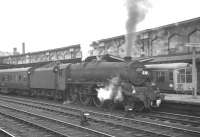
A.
x: 182, y: 99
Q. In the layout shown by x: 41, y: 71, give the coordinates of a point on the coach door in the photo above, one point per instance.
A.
x: 183, y: 79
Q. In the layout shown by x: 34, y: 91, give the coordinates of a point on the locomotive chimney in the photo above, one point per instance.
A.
x: 23, y: 48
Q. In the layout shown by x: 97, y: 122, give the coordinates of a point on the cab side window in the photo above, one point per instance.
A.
x: 160, y: 76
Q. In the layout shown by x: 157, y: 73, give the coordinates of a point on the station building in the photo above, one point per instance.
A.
x: 64, y: 53
x: 165, y: 44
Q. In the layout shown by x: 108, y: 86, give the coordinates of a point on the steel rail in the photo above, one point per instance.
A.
x: 128, y: 119
x: 8, y: 134
x: 59, y: 121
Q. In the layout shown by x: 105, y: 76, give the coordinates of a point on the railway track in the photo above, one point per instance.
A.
x: 4, y: 133
x: 139, y: 126
x: 180, y: 119
x: 19, y: 127
x: 52, y: 127
x: 182, y: 108
x: 102, y: 126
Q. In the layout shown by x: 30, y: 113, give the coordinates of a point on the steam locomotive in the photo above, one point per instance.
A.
x: 82, y: 81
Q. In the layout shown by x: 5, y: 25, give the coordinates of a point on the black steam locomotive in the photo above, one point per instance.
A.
x: 82, y: 81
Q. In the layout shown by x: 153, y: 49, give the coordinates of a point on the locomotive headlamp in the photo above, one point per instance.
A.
x: 171, y: 85
x: 133, y: 91
x: 145, y: 72
x: 86, y: 114
x: 29, y: 72
x: 158, y: 102
x: 130, y: 109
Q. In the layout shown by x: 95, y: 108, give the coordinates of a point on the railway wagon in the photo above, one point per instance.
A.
x: 172, y: 77
x: 14, y: 80
x: 47, y: 82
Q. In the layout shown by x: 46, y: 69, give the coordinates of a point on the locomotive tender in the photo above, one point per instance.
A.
x: 81, y: 81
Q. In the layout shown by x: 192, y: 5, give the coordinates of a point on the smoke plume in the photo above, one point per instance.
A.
x: 137, y: 10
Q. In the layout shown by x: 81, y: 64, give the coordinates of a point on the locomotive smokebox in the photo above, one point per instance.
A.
x: 128, y: 58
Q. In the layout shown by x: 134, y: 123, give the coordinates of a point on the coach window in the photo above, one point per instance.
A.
x: 184, y: 76
x: 188, y: 75
x: 19, y: 77
x: 171, y: 76
x: 160, y: 76
x: 181, y: 76
x: 10, y: 76
x: 60, y: 73
x: 16, y: 77
x: 6, y: 77
x: 24, y: 77
x: 3, y: 78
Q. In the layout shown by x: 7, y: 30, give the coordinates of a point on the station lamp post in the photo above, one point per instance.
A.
x: 194, y: 69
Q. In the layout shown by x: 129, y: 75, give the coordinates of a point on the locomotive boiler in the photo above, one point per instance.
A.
x: 101, y: 71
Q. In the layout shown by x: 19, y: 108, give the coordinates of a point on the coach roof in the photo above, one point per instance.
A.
x: 15, y: 69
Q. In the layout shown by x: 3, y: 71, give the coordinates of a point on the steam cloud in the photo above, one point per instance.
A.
x: 137, y: 10
x: 113, y: 91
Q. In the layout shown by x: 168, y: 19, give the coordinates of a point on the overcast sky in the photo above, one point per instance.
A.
x: 47, y: 24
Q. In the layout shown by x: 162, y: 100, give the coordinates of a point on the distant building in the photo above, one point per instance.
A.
x: 165, y: 40
x: 114, y: 46
x: 64, y: 53
x: 5, y: 54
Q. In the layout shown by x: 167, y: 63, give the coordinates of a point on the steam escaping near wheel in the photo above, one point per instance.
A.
x: 113, y: 91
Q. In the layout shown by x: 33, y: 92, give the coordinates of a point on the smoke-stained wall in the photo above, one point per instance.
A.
x: 166, y: 40
x: 114, y: 46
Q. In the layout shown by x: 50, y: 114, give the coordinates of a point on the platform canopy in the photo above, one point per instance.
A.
x: 167, y: 66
